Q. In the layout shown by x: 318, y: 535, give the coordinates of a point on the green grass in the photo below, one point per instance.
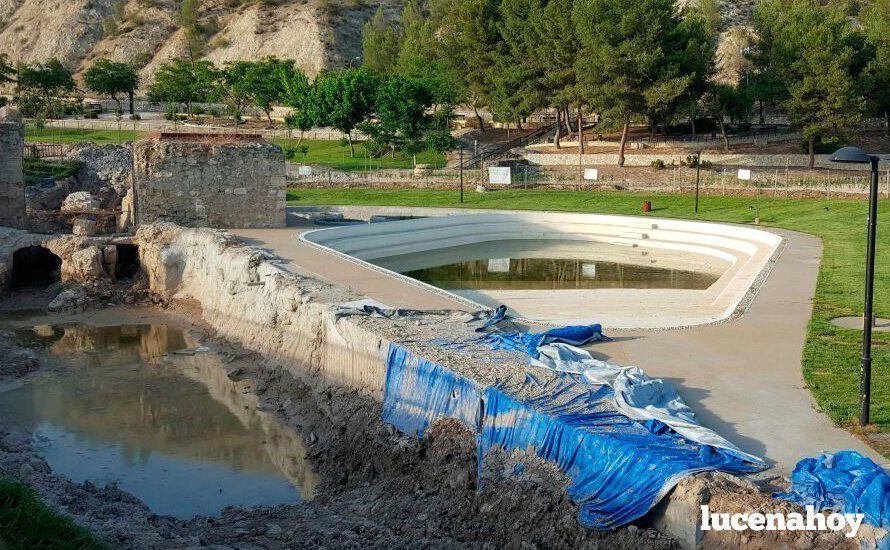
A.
x: 26, y: 523
x: 335, y: 155
x: 57, y: 169
x: 49, y: 134
x: 831, y: 356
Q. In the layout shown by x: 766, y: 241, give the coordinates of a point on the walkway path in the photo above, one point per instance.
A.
x: 742, y: 377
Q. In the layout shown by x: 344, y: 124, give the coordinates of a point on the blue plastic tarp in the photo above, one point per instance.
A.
x: 634, y: 393
x: 619, y: 467
x: 846, y: 482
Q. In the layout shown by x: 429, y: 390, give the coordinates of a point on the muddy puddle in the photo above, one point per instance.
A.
x: 137, y: 406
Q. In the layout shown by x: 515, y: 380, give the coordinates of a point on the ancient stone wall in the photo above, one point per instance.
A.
x: 12, y: 188
x: 205, y: 182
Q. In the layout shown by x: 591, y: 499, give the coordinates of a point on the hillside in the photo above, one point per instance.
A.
x: 318, y: 34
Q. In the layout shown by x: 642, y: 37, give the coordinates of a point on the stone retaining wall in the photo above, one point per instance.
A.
x: 209, y: 183
x: 12, y: 188
x: 634, y: 159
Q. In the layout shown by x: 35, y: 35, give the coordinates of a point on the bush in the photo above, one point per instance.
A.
x: 658, y: 164
x: 28, y: 523
x: 34, y: 169
x: 198, y: 110
x: 692, y: 161
x: 135, y: 116
x: 292, y: 153
x: 822, y: 146
x: 92, y: 113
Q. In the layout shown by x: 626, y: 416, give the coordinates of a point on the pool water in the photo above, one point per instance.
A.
x: 525, y: 264
x: 113, y: 404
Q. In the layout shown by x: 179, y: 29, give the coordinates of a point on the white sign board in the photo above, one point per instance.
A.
x: 499, y: 265
x: 744, y: 174
x: 591, y: 174
x: 304, y: 170
x: 499, y: 175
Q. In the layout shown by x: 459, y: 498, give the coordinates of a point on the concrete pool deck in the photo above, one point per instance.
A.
x: 742, y: 377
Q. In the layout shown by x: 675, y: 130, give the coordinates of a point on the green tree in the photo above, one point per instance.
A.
x: 466, y: 37
x: 42, y: 87
x: 808, y: 61
x: 632, y: 60
x: 515, y: 75
x: 725, y: 100
x: 187, y: 19
x: 232, y: 89
x: 258, y: 82
x: 557, y: 57
x: 400, y: 106
x: 876, y: 20
x: 7, y: 71
x: 111, y: 78
x: 185, y: 82
x: 420, y: 56
x: 344, y: 99
x: 381, y: 41
x: 297, y: 94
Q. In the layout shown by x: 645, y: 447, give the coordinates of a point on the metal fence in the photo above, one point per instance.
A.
x: 191, y: 126
x: 778, y: 183
x: 44, y: 150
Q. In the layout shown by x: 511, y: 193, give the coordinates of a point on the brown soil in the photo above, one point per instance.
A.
x: 382, y: 489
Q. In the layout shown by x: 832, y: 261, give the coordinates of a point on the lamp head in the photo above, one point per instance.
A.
x: 850, y: 155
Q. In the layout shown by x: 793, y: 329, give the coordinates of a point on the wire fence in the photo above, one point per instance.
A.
x: 778, y: 183
x: 126, y: 128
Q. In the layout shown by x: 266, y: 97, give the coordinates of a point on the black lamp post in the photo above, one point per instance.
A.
x: 697, y: 177
x: 855, y: 155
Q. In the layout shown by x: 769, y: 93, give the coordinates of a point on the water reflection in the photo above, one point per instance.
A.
x: 552, y: 265
x: 172, y: 429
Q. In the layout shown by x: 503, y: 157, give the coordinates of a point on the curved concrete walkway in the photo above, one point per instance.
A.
x: 742, y: 377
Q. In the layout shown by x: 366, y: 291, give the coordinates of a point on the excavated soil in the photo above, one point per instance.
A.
x: 381, y: 489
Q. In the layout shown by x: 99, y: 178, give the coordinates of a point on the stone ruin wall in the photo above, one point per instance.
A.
x: 209, y: 183
x: 12, y: 187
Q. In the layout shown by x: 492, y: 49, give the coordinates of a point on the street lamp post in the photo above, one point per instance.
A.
x: 855, y: 155
x: 697, y: 177
x: 461, y: 175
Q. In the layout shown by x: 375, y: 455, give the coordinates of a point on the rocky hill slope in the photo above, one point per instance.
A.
x: 318, y: 34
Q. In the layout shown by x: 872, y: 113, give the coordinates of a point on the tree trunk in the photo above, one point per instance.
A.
x: 812, y: 153
x: 568, y: 120
x: 580, y: 130
x: 519, y: 124
x: 300, y: 139
x: 130, y: 93
x: 269, y: 116
x: 887, y: 122
x: 351, y: 146
x: 558, y: 128
x: 760, y: 107
x: 478, y: 117
x: 692, y: 123
x: 624, y: 130
x: 653, y: 129
x: 723, y: 133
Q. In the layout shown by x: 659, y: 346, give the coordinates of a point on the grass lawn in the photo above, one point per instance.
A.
x: 50, y: 134
x: 831, y: 356
x: 336, y: 155
x: 26, y: 523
